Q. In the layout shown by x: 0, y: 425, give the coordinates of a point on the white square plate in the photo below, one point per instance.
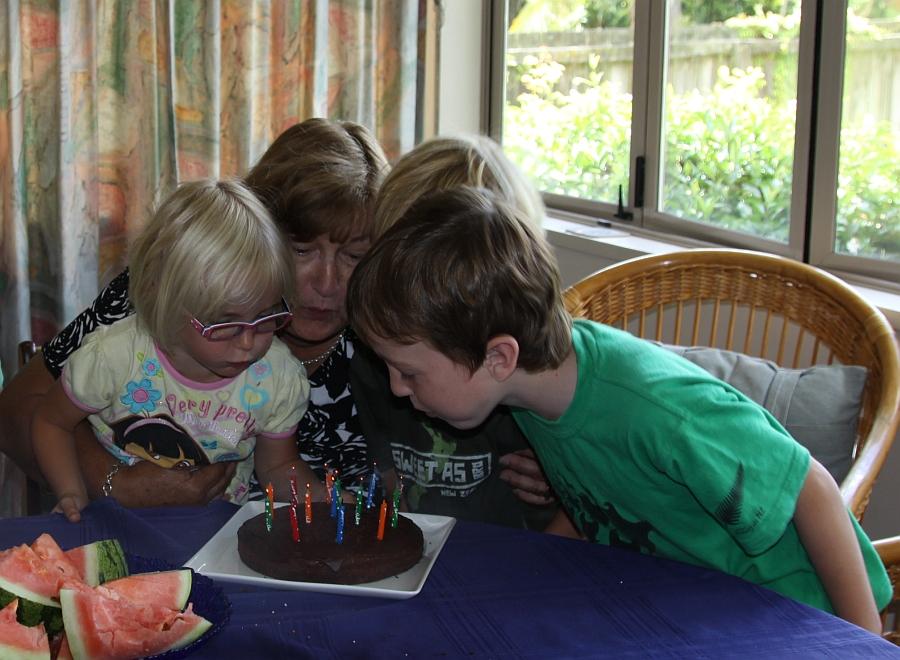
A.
x: 219, y: 560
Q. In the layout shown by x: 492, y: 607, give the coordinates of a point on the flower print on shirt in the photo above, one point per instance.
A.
x: 150, y: 367
x: 253, y: 397
x: 140, y: 397
x: 261, y: 369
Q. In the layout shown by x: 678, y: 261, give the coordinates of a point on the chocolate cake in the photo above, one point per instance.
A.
x: 361, y: 557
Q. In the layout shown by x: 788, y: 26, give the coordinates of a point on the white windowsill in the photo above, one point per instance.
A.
x: 628, y: 243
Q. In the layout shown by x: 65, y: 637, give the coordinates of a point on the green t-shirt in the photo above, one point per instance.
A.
x: 656, y: 455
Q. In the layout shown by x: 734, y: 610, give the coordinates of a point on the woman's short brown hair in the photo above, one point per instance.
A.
x: 320, y: 177
x: 459, y: 268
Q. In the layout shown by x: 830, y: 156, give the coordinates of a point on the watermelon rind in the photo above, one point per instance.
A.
x: 33, y: 608
x: 190, y: 636
x: 72, y: 624
x: 100, y: 561
x: 8, y: 652
x: 152, y: 586
x: 76, y: 630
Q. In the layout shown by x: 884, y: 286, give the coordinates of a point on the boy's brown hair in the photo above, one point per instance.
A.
x: 456, y: 270
x: 320, y: 177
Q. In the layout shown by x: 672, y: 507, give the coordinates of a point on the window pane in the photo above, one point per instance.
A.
x: 729, y: 115
x: 567, y: 114
x: 868, y: 215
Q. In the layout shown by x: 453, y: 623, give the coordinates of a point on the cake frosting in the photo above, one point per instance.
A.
x: 317, y: 557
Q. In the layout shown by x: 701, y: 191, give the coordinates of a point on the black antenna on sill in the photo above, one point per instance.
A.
x: 621, y: 213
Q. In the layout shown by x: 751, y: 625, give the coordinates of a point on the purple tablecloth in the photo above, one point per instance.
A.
x: 493, y: 592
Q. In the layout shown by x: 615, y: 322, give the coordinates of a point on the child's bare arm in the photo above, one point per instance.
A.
x: 826, y: 532
x: 521, y: 470
x: 562, y: 525
x: 273, y: 460
x: 52, y: 430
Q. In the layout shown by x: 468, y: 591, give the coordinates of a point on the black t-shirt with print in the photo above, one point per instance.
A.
x: 445, y: 470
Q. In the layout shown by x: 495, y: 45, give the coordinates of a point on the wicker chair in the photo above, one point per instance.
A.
x: 889, y: 551
x: 772, y: 307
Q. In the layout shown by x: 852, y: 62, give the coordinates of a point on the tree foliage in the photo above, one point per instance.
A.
x: 728, y: 155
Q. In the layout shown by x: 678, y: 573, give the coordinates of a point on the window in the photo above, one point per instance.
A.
x: 766, y: 124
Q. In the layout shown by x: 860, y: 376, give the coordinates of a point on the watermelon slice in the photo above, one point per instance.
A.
x: 47, y: 549
x: 169, y: 589
x: 18, y: 641
x: 102, y: 624
x: 99, y: 562
x: 63, y: 652
x: 26, y: 577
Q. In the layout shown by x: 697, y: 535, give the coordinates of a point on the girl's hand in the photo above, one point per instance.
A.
x: 70, y: 505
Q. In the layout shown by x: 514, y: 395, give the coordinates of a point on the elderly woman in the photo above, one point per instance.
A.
x: 319, y: 180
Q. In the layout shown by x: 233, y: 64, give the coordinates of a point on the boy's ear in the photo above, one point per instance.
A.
x: 502, y: 356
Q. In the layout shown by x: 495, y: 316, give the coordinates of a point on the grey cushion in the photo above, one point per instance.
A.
x: 819, y: 406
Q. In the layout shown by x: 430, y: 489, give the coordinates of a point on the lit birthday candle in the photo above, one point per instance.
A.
x: 382, y: 516
x: 395, y: 509
x: 370, y: 495
x: 357, y: 516
x: 329, y: 482
x: 307, y: 501
x: 295, y: 528
x: 335, y: 494
x: 270, y: 503
x: 294, y: 498
x: 340, y: 525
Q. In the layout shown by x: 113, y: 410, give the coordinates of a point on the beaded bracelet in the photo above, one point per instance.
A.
x: 107, y: 483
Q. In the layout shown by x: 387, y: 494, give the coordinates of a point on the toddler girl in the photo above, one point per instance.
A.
x: 195, y: 375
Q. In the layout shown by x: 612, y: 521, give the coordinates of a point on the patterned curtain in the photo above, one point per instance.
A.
x: 106, y: 104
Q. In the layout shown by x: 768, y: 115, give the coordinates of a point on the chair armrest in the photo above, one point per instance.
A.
x: 889, y: 551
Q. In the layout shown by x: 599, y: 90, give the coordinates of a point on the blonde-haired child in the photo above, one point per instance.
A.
x: 487, y: 473
x: 196, y: 375
x: 442, y: 163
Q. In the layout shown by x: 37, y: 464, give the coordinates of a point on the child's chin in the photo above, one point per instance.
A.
x: 462, y: 424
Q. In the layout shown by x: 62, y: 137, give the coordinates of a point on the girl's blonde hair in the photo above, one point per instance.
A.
x: 211, y: 245
x: 443, y: 163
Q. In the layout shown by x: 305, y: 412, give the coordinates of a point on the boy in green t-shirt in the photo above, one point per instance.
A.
x: 461, y: 299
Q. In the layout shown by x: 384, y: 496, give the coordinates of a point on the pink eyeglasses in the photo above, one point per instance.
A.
x: 225, y: 331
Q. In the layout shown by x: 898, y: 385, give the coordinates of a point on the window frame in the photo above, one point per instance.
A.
x: 820, y: 73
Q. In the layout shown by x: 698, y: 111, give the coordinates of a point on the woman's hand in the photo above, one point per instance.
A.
x: 524, y: 474
x: 145, y: 484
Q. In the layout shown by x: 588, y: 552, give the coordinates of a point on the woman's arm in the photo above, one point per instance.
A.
x: 18, y: 401
x: 145, y: 484
x: 22, y: 394
x: 824, y: 527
